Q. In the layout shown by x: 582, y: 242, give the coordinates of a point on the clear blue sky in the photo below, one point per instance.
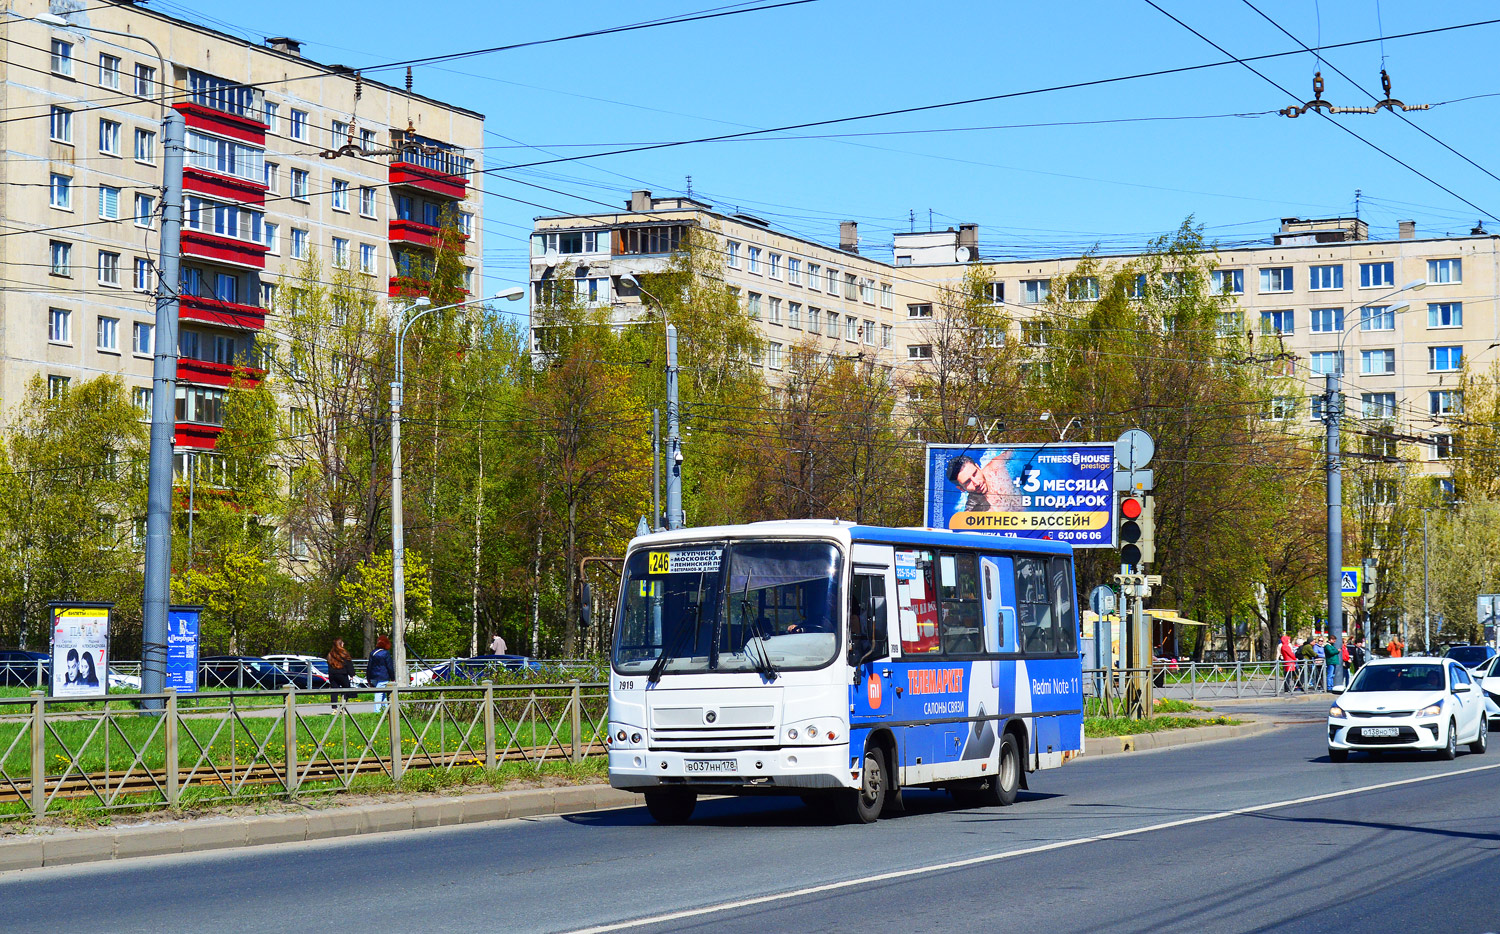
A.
x: 1034, y: 191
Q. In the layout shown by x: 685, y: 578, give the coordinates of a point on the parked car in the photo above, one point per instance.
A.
x: 298, y: 664
x: 1408, y: 703
x: 1488, y: 676
x: 20, y: 668
x: 118, y: 680
x: 1470, y: 656
x: 242, y: 671
x: 476, y: 668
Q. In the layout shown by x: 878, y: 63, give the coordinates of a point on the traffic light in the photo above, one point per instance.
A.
x: 1137, y: 529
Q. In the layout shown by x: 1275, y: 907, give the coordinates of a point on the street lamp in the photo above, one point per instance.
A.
x: 675, y: 518
x: 398, y: 533
x: 156, y: 593
x: 1332, y: 412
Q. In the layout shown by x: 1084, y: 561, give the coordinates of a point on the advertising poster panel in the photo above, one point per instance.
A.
x: 1060, y: 492
x: 182, y: 648
x: 80, y: 649
x: 1488, y: 614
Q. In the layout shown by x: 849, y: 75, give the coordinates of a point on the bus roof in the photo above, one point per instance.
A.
x: 849, y: 532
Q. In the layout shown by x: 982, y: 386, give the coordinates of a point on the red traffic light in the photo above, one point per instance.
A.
x: 1130, y: 507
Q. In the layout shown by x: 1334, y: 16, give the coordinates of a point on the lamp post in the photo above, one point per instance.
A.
x: 675, y: 518
x: 1332, y: 415
x: 398, y: 532
x: 158, y: 570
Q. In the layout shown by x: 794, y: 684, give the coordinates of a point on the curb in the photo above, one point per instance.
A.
x: 193, y: 835
x: 1096, y: 747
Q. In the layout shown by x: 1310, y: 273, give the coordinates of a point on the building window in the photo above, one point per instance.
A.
x: 637, y: 241
x: 1327, y: 320
x: 1322, y: 278
x: 1083, y: 289
x: 190, y: 344
x: 61, y: 127
x: 200, y: 405
x: 1276, y: 279
x: 1036, y: 291
x: 752, y: 304
x: 833, y: 283
x: 339, y: 133
x: 1326, y: 362
x: 109, y: 268
x: 886, y: 332
x: 919, y: 351
x: 190, y: 281
x: 298, y: 124
x: 140, y: 338
x: 1228, y: 281
x: 793, y: 315
x: 145, y: 146
x: 793, y: 271
x: 774, y: 260
x: 1281, y: 408
x: 59, y: 326
x: 753, y: 255
x: 145, y: 81
x: 1377, y: 275
x: 224, y: 220
x: 1445, y: 402
x: 1276, y: 322
x: 273, y: 237
x: 773, y: 355
x: 814, y: 324
x: 145, y: 210
x: 299, y: 243
x: 61, y: 192
x: 340, y: 253
x: 732, y: 254
x: 994, y: 292
x: 1317, y: 409
x: 340, y: 195
x: 141, y: 396
x: 270, y: 110
x: 366, y: 139
x: 227, y: 287
x: 1377, y: 318
x: 867, y: 332
x: 299, y: 184
x: 225, y: 156
x: 109, y: 137
x: 1377, y: 362
x: 851, y: 328
x: 223, y: 351
x: 62, y: 58
x: 887, y: 295
x: 1445, y: 359
x: 109, y: 203
x: 1445, y: 315
x: 1442, y: 449
x: 1034, y: 333
x: 833, y: 324
x: 62, y: 258
x: 272, y: 169
x: 1230, y: 323
x: 108, y: 334
x: 109, y: 71
x: 141, y: 281
x: 57, y: 386
x: 851, y: 286
x: 775, y: 317
x: 367, y: 258
x: 814, y: 276
x: 367, y: 202
x: 1444, y: 270
x: 1378, y: 405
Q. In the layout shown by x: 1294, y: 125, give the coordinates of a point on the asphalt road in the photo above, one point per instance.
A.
x: 1257, y: 834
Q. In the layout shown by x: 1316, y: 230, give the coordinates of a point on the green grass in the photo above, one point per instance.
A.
x: 1124, y: 726
x: 1096, y: 707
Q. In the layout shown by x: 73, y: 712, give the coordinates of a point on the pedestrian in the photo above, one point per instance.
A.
x: 497, y: 645
x: 340, y: 670
x: 380, y: 671
x: 1356, y: 656
x: 1288, y: 663
x: 1331, y: 650
x: 1305, y: 653
x: 1394, y: 648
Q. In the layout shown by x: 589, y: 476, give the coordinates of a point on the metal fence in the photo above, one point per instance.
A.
x: 111, y: 753
x: 1213, y: 680
x: 248, y: 674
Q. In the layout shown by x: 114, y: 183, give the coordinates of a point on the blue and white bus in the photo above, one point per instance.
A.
x: 841, y: 663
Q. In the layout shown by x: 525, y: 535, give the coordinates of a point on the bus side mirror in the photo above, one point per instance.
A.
x: 586, y: 604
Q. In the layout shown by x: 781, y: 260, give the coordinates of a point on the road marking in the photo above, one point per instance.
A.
x: 1009, y: 854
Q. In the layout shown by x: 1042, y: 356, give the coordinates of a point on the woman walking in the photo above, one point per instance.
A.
x: 340, y: 670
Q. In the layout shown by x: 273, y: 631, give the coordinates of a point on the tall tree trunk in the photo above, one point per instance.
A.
x: 570, y: 616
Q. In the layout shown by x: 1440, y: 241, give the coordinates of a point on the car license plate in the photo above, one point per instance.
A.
x: 711, y: 766
x: 1381, y: 731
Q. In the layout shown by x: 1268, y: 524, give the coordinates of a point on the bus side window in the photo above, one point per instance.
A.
x: 1034, y: 607
x: 958, y: 590
x: 1062, y: 606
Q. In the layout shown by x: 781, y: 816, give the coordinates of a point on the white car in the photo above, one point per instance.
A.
x: 1405, y: 704
x: 1488, y: 676
x: 311, y: 667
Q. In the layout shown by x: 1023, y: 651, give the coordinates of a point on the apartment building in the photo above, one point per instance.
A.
x: 285, y: 156
x: 835, y: 300
x: 1319, y: 296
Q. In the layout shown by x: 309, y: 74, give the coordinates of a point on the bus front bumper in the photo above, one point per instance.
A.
x: 789, y: 770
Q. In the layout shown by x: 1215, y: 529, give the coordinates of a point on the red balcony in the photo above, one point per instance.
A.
x: 223, y: 187
x: 227, y: 250
x: 208, y: 373
x: 408, y: 287
x: 432, y: 181
x: 223, y: 314
x: 194, y: 435
x: 210, y: 120
x: 419, y: 234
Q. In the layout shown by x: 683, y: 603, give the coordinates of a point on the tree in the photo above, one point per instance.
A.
x: 367, y: 590
x: 1463, y: 555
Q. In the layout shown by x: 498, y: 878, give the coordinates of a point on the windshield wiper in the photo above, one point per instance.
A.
x: 762, y: 657
x: 660, y: 664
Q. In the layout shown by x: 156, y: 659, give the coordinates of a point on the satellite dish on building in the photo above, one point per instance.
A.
x: 962, y: 255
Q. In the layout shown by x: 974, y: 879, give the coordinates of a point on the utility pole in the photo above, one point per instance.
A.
x: 1426, y: 606
x: 1333, y: 406
x: 158, y: 576
x: 398, y: 533
x: 655, y: 469
x: 674, y: 442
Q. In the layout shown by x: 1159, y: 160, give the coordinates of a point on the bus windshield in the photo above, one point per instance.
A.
x: 717, y: 606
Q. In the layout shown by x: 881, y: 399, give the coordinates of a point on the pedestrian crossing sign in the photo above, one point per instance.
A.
x: 1352, y: 581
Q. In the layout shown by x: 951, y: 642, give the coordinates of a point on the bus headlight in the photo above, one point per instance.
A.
x: 635, y: 739
x: 620, y: 736
x: 792, y: 733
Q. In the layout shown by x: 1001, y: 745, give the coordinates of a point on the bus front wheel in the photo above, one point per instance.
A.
x: 671, y: 807
x: 863, y: 805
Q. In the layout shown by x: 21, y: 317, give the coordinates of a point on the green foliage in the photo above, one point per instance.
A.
x: 367, y: 590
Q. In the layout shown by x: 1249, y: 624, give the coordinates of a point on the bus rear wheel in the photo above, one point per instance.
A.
x: 671, y: 807
x: 863, y: 805
x: 998, y: 790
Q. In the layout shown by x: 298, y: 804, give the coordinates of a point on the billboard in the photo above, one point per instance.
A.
x: 1061, y: 492
x: 80, y: 649
x: 182, y: 648
x: 1488, y: 615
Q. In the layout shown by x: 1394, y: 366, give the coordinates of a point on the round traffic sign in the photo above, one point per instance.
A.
x: 1134, y: 449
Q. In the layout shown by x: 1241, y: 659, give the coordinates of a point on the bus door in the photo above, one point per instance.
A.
x: 870, y: 613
